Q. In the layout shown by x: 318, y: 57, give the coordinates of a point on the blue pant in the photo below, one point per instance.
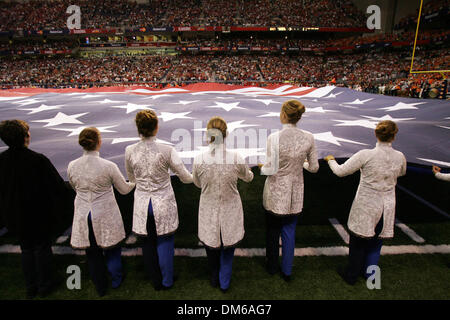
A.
x: 98, y: 257
x: 221, y: 265
x: 158, y: 252
x: 363, y: 253
x: 276, y: 226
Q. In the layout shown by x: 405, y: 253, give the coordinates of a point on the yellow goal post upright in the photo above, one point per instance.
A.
x: 442, y: 72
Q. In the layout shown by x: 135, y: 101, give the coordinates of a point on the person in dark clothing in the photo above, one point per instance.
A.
x: 31, y: 192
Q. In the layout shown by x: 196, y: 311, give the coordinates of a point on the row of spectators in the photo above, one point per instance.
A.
x: 438, y: 8
x: 51, y: 14
x: 36, y: 46
x: 368, y: 71
x: 436, y: 36
x: 55, y: 72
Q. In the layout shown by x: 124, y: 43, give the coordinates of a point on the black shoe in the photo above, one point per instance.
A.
x: 342, y: 273
x: 101, y: 292
x: 286, y: 277
x: 272, y: 270
x: 32, y: 293
x: 224, y: 290
x: 123, y: 279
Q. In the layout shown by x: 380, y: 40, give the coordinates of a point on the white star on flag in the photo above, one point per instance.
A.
x: 42, y: 107
x: 186, y: 102
x: 28, y: 101
x: 330, y: 138
x: 62, y: 118
x: 167, y: 116
x: 356, y: 123
x: 332, y: 95
x: 226, y: 106
x: 131, y: 107
x: 357, y: 101
x: 387, y: 117
x: 319, y: 110
x: 266, y: 102
x: 270, y: 114
x: 402, y: 106
x: 77, y: 131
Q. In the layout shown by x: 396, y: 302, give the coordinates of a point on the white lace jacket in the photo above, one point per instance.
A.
x: 93, y: 178
x: 287, y: 151
x: 380, y: 167
x: 147, y: 163
x: 443, y: 176
x: 220, y: 213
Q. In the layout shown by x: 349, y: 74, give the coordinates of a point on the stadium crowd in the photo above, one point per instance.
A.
x: 435, y: 8
x: 373, y: 71
x: 51, y: 15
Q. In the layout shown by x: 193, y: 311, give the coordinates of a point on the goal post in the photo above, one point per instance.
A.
x: 411, y: 71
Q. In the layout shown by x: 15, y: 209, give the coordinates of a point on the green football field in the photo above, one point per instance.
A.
x: 414, y: 265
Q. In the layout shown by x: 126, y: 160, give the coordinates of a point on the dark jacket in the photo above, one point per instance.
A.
x: 31, y: 193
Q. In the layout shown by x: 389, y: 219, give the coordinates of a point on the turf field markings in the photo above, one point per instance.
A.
x: 64, y: 236
x: 409, y: 232
x: 3, y: 231
x: 425, y: 202
x: 259, y: 252
x: 340, y: 229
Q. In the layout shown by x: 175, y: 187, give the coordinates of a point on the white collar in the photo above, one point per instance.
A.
x: 91, y: 153
x: 289, y: 125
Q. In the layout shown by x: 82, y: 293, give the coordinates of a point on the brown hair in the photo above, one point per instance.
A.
x: 386, y: 130
x: 89, y: 138
x: 146, y: 122
x: 217, y: 123
x: 293, y: 110
x: 14, y: 132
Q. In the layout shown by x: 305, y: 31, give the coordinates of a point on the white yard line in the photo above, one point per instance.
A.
x: 3, y: 231
x: 340, y: 229
x: 64, y: 236
x: 409, y: 232
x: 425, y: 202
x: 259, y: 252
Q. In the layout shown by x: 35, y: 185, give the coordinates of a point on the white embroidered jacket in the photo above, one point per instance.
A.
x: 147, y: 163
x: 443, y: 176
x: 380, y: 167
x: 220, y: 213
x: 93, y: 178
x: 287, y: 151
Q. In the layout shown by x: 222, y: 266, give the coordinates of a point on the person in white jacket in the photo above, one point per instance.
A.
x: 439, y: 175
x: 220, y: 213
x: 372, y: 214
x: 97, y: 222
x: 289, y: 151
x: 155, y: 213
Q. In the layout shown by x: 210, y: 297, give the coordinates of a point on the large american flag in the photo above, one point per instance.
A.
x: 341, y: 120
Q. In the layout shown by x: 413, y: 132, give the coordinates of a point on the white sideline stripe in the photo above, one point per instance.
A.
x: 340, y: 229
x: 425, y: 202
x: 3, y: 231
x: 258, y: 252
x: 409, y: 232
x: 64, y: 236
